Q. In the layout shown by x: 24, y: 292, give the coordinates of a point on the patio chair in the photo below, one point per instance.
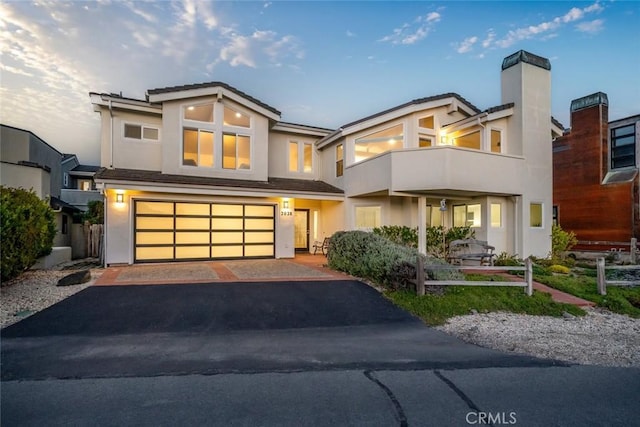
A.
x: 323, y: 246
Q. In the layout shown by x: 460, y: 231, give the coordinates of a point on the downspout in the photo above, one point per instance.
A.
x: 110, y: 135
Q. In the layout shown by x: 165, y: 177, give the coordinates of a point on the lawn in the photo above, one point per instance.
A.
x: 623, y: 300
x: 460, y: 300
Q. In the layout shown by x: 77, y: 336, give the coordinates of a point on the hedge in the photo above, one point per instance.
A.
x: 27, y: 227
x: 373, y: 257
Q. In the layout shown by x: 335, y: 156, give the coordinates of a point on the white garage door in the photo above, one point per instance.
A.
x: 171, y: 231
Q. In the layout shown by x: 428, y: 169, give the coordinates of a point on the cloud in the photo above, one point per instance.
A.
x: 408, y: 34
x: 591, y: 27
x: 350, y: 34
x: 466, y: 45
x: 260, y: 47
x: 543, y: 31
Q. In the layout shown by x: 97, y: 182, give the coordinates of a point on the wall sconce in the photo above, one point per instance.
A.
x: 119, y: 198
x: 285, y: 204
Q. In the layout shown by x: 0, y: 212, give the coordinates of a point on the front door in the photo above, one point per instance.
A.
x: 301, y: 229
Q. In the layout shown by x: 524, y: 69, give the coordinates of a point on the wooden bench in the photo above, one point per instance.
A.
x: 470, y: 250
x: 323, y: 246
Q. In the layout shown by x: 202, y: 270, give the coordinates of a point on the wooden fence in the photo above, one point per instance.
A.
x: 421, y: 283
x: 602, y: 279
x: 93, y: 239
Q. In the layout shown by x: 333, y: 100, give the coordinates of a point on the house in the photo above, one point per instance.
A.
x: 205, y: 171
x: 596, y: 185
x: 78, y: 186
x: 30, y: 163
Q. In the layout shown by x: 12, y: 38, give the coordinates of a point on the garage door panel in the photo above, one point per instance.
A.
x: 193, y: 223
x: 183, y: 237
x: 258, y: 237
x: 193, y: 209
x: 154, y: 238
x: 154, y: 253
x: 258, y: 250
x: 154, y: 223
x: 258, y: 210
x: 227, y: 223
x: 192, y: 252
x: 154, y: 208
x: 258, y: 224
x: 227, y: 210
x: 227, y: 251
x: 226, y: 237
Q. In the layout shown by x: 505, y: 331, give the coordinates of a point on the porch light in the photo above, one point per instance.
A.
x: 285, y: 204
x: 120, y: 198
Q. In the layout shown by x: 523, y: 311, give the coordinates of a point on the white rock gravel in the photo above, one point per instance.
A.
x: 34, y: 291
x: 599, y: 338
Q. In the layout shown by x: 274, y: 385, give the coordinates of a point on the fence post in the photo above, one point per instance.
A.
x: 528, y: 276
x: 632, y: 250
x: 602, y: 284
x: 420, y: 276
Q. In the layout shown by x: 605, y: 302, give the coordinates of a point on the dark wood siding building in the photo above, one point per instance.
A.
x: 596, y: 192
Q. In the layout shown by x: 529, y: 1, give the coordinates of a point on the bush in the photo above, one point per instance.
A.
x: 399, y: 234
x: 373, y: 257
x: 504, y: 259
x: 435, y: 236
x: 95, y: 212
x: 27, y: 226
x: 561, y: 242
x: 561, y: 269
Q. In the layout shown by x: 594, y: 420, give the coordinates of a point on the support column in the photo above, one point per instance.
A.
x: 422, y: 225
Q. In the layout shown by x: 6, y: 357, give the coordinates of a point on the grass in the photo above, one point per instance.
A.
x: 618, y: 299
x: 460, y: 300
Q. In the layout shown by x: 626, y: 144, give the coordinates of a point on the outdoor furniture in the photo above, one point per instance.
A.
x: 323, y: 246
x: 470, y: 250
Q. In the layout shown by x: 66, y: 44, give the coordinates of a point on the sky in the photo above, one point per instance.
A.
x: 320, y: 63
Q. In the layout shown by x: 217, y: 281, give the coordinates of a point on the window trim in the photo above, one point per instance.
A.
x: 612, y: 140
x: 491, y: 215
x: 340, y: 161
x: 300, y: 152
x: 142, y: 126
x: 466, y: 215
x: 375, y: 130
x: 542, y: 218
x: 502, y: 139
x: 355, y: 215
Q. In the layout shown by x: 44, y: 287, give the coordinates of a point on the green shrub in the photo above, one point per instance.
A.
x: 557, y: 268
x: 561, y: 242
x: 27, y: 226
x: 436, y: 235
x: 400, y: 234
x: 504, y: 259
x: 373, y: 257
x: 95, y: 212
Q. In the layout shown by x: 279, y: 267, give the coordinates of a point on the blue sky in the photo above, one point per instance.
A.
x: 320, y: 63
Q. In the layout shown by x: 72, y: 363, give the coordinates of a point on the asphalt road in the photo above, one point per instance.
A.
x: 286, y: 353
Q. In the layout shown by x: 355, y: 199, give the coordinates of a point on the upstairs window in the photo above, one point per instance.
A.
x: 300, y: 157
x: 379, y: 142
x: 496, y: 141
x: 426, y: 132
x: 470, y: 140
x: 339, y: 160
x: 141, y: 132
x: 235, y: 118
x: 623, y: 147
x: 199, y: 113
x: 236, y: 151
x: 197, y: 148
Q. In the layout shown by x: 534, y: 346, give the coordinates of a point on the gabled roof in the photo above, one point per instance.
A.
x: 222, y: 85
x: 273, y: 184
x: 34, y: 135
x: 417, y: 101
x: 85, y: 168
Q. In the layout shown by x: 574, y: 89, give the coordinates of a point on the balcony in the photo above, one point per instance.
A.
x: 79, y: 198
x: 437, y: 170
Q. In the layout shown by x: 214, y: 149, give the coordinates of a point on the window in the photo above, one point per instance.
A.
x: 65, y: 224
x: 339, y: 160
x: 65, y: 179
x: 300, y: 157
x: 426, y: 122
x: 198, y: 148
x: 434, y: 216
x: 623, y: 146
x: 425, y: 141
x: 426, y: 132
x: 84, y: 184
x: 236, y: 151
x: 470, y: 140
x: 535, y: 215
x: 555, y: 215
x: 141, y: 132
x: 216, y: 135
x: 467, y: 216
x: 496, y: 215
x: 379, y: 142
x: 496, y: 141
x: 368, y: 217
x: 235, y: 118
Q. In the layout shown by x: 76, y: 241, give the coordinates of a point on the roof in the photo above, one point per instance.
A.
x: 499, y: 108
x: 274, y: 184
x: 416, y: 102
x: 526, y: 57
x: 208, y: 85
x: 85, y: 168
x: 557, y: 123
x: 34, y: 135
x: 56, y: 204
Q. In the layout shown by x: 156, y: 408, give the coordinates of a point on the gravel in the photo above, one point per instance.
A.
x: 599, y: 338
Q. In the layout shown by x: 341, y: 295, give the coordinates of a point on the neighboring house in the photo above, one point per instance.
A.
x: 596, y: 188
x: 205, y: 171
x: 78, y: 186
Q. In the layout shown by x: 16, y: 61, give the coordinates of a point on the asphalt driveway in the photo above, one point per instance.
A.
x: 145, y: 330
